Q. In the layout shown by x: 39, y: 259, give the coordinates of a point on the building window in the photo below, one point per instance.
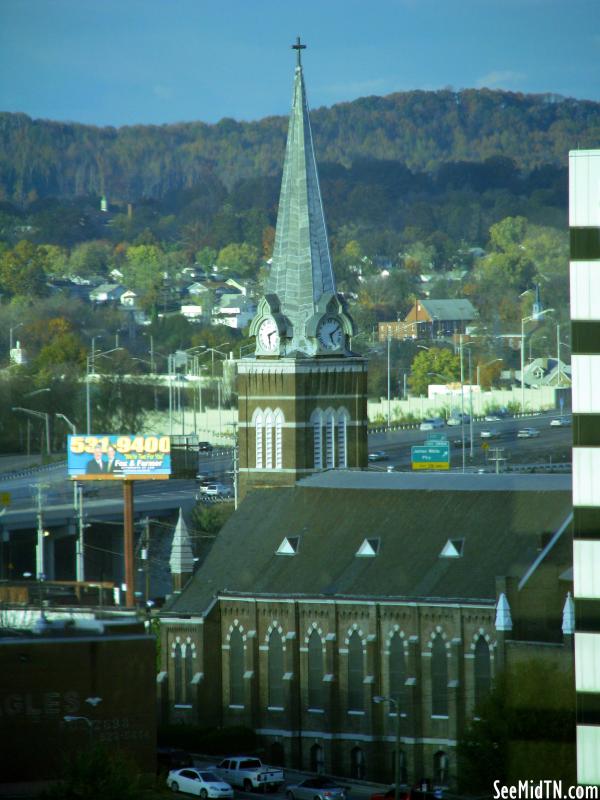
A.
x: 258, y: 427
x: 315, y: 671
x: 342, y: 439
x: 317, y: 759
x: 355, y: 673
x: 330, y: 441
x: 177, y: 674
x: 317, y: 425
x: 188, y: 672
x: 483, y: 672
x: 275, y: 656
x: 397, y: 667
x: 269, y: 422
x: 440, y: 768
x: 278, y: 439
x: 236, y: 668
x: 439, y: 678
x: 357, y: 764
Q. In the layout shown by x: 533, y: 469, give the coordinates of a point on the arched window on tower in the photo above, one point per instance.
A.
x: 342, y: 438
x: 439, y: 678
x: 330, y: 440
x: 356, y: 700
x: 188, y: 672
x: 483, y: 672
x: 275, y: 656
x: 269, y: 422
x: 259, y: 421
x: 236, y: 668
x: 178, y: 697
x: 279, y: 420
x: 397, y: 666
x: 316, y: 420
x: 315, y: 671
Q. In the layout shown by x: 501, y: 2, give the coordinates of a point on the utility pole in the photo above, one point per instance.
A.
x: 462, y: 401
x: 235, y: 467
x: 389, y: 413
x: 79, y: 553
x: 39, y: 549
x: 146, y: 559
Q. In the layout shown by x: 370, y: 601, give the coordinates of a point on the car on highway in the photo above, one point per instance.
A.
x: 492, y: 418
x: 528, y: 433
x: 214, y: 489
x: 431, y: 424
x: 199, y: 782
x: 205, y: 447
x: 457, y: 419
x: 560, y: 422
x: 378, y: 455
x: 489, y: 433
x: 316, y: 789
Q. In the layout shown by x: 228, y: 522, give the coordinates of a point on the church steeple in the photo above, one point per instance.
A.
x: 300, y: 290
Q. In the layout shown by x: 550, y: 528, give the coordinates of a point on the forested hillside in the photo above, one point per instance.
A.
x: 419, y: 130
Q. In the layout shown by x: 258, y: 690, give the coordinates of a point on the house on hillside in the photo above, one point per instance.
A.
x: 431, y: 319
x: 107, y: 293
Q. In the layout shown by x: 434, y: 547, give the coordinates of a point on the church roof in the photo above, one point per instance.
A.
x: 301, y: 270
x: 500, y: 534
x: 450, y: 310
x: 181, y: 561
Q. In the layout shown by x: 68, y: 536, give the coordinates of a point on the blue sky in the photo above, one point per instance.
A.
x: 121, y: 62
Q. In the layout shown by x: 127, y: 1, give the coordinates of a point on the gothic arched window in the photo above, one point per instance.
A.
x: 483, y: 672
x: 440, y: 768
x: 358, y: 766
x: 316, y: 419
x: 439, y: 678
x: 342, y: 438
x: 275, y: 656
x: 330, y: 440
x: 188, y: 672
x: 355, y: 673
x: 397, y: 667
x: 269, y: 422
x: 236, y: 668
x: 259, y: 422
x: 177, y: 674
x: 315, y: 671
x: 279, y: 439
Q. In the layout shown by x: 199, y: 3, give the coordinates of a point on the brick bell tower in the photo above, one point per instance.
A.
x: 303, y: 393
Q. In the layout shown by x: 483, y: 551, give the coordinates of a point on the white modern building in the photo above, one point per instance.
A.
x: 584, y: 223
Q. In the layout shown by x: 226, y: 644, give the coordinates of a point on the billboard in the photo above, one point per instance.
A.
x: 115, y: 457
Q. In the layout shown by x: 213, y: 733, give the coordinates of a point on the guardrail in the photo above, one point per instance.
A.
x: 28, y: 471
x: 416, y: 425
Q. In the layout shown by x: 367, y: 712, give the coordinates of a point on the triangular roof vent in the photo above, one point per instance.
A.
x: 289, y: 546
x: 503, y: 617
x: 453, y: 548
x: 369, y: 548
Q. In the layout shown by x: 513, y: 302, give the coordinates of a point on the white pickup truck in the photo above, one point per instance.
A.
x: 249, y: 773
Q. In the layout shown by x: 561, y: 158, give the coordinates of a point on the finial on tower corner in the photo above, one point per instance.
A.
x: 298, y: 47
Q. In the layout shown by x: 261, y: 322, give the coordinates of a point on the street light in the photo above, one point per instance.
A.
x: 394, y: 704
x: 42, y: 415
x: 91, y: 370
x: 523, y: 321
x: 68, y: 422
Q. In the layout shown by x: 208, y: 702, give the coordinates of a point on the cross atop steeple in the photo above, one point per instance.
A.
x: 298, y: 47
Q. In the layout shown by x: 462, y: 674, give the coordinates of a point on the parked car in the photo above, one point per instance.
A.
x: 316, y: 789
x: 249, y: 773
x: 528, y: 433
x: 378, y: 455
x: 431, y: 424
x: 202, y: 783
x: 560, y: 422
x: 489, y: 433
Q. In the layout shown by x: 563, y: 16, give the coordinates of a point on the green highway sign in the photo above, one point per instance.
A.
x: 431, y: 456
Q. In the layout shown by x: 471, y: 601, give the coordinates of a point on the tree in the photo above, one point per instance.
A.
x: 23, y: 270
x: 241, y: 258
x: 435, y: 360
x: 143, y: 272
x: 90, y: 258
x: 525, y: 729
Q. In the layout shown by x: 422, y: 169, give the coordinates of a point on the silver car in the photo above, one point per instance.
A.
x: 316, y: 789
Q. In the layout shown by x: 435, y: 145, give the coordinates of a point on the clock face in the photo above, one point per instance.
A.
x: 330, y: 333
x: 268, y: 336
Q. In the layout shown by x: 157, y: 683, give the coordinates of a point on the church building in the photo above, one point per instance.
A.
x: 354, y: 619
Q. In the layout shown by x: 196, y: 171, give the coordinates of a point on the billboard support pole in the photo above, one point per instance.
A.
x: 128, y: 542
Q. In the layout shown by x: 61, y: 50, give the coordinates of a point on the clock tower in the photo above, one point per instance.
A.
x: 303, y: 394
